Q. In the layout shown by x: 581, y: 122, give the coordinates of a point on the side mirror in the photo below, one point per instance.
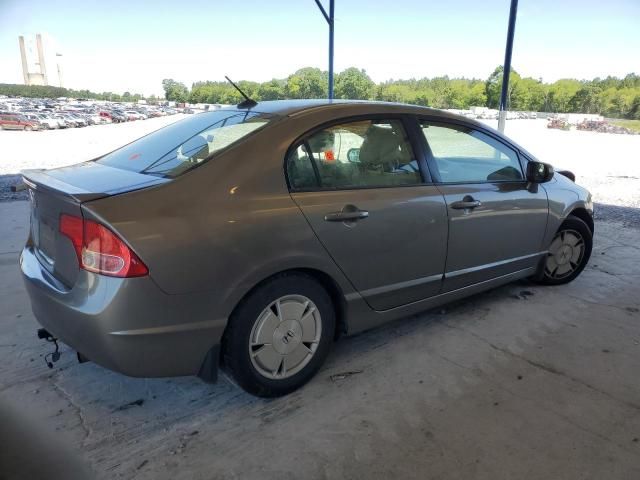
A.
x: 538, y: 172
x: 353, y: 155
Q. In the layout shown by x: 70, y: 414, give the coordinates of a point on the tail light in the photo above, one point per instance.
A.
x: 100, y: 250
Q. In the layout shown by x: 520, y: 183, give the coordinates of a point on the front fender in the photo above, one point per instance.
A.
x: 564, y: 197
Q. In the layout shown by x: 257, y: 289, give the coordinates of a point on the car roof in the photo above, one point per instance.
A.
x: 294, y: 107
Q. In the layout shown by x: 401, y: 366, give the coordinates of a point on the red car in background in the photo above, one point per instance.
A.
x: 14, y: 121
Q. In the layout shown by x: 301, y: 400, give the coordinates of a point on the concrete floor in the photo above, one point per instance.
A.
x: 521, y: 382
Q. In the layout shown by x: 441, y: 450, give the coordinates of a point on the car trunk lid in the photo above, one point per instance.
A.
x: 63, y: 191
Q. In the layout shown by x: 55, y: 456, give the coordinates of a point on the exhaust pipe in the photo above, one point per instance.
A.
x: 45, y: 335
x: 82, y: 358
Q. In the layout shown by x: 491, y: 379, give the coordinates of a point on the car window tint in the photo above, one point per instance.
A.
x: 366, y: 153
x: 201, y: 146
x: 300, y: 170
x: 174, y: 149
x: 462, y: 154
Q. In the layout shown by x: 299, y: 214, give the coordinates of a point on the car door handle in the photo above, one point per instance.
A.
x: 466, y: 203
x: 346, y: 216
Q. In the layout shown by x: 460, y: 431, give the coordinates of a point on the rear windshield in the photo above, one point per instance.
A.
x: 174, y: 149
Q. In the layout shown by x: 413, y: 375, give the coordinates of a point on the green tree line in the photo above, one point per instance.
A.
x: 613, y: 97
x: 49, y: 91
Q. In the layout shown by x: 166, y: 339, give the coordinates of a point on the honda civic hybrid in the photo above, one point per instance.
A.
x: 250, y: 238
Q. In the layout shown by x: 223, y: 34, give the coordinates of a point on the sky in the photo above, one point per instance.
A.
x: 131, y: 45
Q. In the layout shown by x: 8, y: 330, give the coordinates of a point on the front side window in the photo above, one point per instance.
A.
x: 172, y: 150
x: 462, y: 154
x: 364, y: 153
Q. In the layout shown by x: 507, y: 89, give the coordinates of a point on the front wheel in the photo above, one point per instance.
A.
x: 568, y: 253
x: 279, y: 336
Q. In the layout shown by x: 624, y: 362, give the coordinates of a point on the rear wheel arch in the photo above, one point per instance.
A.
x: 336, y: 294
x: 324, y: 279
x: 255, y: 370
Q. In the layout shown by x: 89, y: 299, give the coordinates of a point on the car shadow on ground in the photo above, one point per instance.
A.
x: 460, y: 350
x: 114, y: 403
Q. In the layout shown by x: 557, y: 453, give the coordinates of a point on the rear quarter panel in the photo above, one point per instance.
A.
x: 223, y: 227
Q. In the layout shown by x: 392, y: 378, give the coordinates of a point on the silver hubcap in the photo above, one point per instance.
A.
x: 285, y: 337
x: 565, y: 254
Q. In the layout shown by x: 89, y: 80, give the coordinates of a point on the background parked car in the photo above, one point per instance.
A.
x: 46, y: 123
x: 64, y: 120
x: 133, y: 115
x: 118, y: 116
x: 68, y: 113
x: 12, y: 121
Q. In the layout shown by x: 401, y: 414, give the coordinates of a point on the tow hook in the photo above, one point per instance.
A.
x: 55, y: 355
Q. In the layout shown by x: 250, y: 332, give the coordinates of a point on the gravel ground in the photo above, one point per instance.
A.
x: 6, y: 182
x: 521, y: 382
x: 606, y: 164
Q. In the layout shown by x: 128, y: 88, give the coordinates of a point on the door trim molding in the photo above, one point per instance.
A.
x: 465, y: 271
x: 372, y: 292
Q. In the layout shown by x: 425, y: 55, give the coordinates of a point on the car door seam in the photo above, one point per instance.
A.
x: 355, y: 290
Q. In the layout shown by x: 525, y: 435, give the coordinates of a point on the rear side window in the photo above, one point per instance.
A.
x: 464, y: 155
x: 364, y: 153
x: 174, y: 149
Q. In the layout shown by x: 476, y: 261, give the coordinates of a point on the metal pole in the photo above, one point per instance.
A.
x: 329, y: 19
x: 331, y: 10
x: 507, y: 65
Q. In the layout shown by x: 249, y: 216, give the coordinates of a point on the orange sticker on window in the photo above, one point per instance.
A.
x: 328, y: 156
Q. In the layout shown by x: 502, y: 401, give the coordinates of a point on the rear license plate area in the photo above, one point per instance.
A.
x: 47, y: 239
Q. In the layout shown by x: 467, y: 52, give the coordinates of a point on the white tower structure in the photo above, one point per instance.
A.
x: 36, y: 53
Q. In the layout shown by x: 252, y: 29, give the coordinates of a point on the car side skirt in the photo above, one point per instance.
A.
x: 360, y: 317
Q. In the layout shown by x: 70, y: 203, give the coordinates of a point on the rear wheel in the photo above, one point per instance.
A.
x: 568, y: 253
x: 28, y: 128
x: 279, y: 336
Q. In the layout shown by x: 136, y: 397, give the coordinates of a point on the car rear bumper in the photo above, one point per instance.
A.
x: 127, y: 325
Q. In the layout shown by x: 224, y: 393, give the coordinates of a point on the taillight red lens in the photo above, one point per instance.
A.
x: 72, y: 227
x: 100, y: 250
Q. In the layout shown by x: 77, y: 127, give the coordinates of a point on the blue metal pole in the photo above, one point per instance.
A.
x: 507, y: 65
x: 331, y: 23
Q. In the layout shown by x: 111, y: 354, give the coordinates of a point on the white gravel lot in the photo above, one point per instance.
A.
x: 56, y: 148
x: 607, y: 164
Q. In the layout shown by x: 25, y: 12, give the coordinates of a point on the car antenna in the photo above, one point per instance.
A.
x: 247, y: 102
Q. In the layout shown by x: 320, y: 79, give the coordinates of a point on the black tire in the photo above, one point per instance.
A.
x: 571, y: 224
x: 236, y: 340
